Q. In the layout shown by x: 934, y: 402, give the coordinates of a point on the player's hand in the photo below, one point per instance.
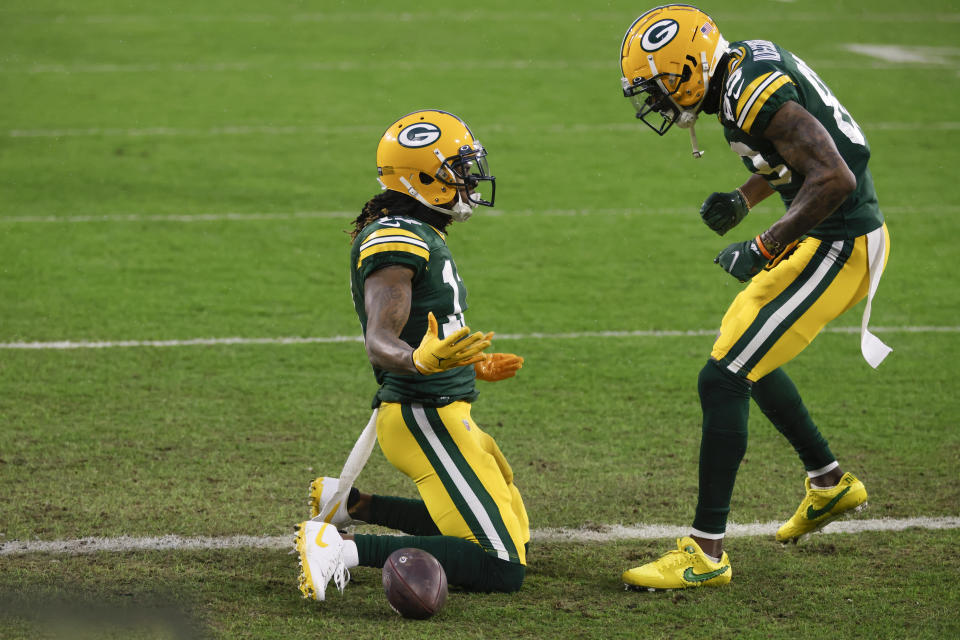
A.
x: 458, y: 349
x: 497, y: 366
x: 742, y: 260
x: 723, y: 211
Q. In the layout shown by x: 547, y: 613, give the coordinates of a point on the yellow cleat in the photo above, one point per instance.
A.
x: 686, y: 567
x: 820, y: 507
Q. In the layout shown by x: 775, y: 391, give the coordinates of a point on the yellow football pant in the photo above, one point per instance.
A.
x: 785, y: 306
x: 463, y: 478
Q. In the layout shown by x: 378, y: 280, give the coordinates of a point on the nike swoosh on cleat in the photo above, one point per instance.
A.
x: 333, y: 512
x: 690, y: 576
x: 319, y: 538
x: 813, y: 514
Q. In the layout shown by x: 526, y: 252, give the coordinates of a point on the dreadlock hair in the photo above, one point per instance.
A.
x: 393, y: 203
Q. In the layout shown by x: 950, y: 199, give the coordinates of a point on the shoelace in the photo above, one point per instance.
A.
x: 675, y: 557
x: 337, y: 570
x: 341, y: 576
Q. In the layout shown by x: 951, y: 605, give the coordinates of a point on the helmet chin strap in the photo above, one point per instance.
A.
x: 686, y: 121
x: 697, y: 153
x: 461, y: 211
x: 688, y: 117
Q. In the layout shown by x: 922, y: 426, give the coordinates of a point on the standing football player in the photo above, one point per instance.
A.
x: 411, y: 302
x: 825, y: 254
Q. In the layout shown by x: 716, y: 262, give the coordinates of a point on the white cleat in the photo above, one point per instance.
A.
x: 321, y: 492
x: 321, y: 558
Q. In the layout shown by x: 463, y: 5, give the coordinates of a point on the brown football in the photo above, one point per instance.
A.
x: 415, y: 583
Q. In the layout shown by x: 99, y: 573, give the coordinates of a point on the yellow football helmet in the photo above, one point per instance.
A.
x: 668, y: 58
x: 431, y: 155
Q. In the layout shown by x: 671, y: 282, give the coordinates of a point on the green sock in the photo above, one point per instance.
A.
x: 778, y: 398
x: 725, y: 401
x: 403, y: 514
x: 466, y: 564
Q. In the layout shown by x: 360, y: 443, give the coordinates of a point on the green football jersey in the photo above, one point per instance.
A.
x: 437, y: 287
x: 761, y: 78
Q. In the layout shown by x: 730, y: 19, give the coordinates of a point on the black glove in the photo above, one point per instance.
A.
x: 723, y: 211
x: 742, y: 260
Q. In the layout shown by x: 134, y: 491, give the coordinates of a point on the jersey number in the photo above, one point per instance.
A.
x: 845, y: 121
x: 777, y: 175
x: 454, y: 320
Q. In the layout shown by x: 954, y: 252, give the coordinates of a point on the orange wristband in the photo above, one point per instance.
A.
x: 763, y: 249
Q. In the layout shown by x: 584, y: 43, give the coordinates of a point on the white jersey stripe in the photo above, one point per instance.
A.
x: 755, y: 96
x: 382, y: 239
x: 473, y: 502
x: 791, y: 305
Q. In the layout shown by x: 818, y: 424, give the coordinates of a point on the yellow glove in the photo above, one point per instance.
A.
x: 456, y: 350
x: 497, y: 366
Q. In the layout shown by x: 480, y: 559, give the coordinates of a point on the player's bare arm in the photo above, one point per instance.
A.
x: 755, y: 190
x: 809, y: 149
x: 387, y: 295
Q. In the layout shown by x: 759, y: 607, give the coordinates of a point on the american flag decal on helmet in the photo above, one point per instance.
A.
x: 706, y: 29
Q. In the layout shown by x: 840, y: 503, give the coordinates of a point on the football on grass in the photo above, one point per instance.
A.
x: 415, y: 583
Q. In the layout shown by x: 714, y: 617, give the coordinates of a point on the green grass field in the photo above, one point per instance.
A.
x: 174, y: 175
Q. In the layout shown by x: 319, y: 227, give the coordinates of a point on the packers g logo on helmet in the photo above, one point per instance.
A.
x: 431, y: 155
x: 419, y: 135
x: 659, y: 35
x: 668, y: 56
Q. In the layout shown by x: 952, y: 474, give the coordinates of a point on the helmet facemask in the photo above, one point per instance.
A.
x: 651, y: 96
x: 659, y: 94
x: 465, y: 171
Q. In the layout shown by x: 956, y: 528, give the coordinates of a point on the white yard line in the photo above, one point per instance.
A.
x: 467, y: 15
x: 187, y: 217
x: 225, y: 130
x: 600, y: 533
x: 649, y: 532
x: 277, y: 130
x: 872, y: 61
x: 349, y: 215
x: 573, y: 335
x: 907, y: 54
x: 327, y: 65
